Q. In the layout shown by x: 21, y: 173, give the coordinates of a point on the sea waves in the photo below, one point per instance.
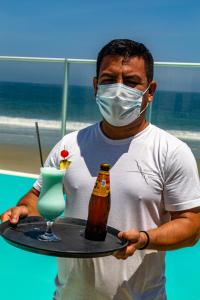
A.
x: 185, y: 134
x: 74, y: 125
x: 44, y: 124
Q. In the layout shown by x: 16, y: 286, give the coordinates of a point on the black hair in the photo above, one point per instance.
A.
x: 127, y: 48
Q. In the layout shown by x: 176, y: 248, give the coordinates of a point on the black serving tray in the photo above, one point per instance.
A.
x: 70, y: 230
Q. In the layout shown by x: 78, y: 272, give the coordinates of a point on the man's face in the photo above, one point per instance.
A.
x: 129, y: 71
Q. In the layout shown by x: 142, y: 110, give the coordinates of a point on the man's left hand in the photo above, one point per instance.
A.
x: 136, y: 240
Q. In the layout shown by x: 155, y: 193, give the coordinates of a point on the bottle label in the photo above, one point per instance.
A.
x: 102, y: 185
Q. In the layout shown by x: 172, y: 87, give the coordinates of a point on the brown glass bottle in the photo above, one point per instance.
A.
x: 99, y: 206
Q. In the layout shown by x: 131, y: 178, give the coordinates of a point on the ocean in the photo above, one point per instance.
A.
x: 21, y: 104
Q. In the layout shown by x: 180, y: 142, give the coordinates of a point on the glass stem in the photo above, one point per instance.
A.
x: 49, y: 227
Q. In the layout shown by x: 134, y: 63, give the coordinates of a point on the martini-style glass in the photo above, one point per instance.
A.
x: 51, y: 201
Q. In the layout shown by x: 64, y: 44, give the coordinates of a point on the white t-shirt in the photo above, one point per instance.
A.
x: 152, y: 173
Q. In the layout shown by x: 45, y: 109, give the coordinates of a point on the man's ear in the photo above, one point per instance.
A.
x: 95, y: 83
x: 152, y: 90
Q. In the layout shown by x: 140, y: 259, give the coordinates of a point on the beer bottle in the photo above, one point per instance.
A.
x: 99, y: 206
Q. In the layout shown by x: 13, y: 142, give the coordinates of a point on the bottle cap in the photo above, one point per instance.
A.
x: 105, y: 167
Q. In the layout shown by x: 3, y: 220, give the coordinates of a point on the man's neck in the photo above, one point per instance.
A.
x: 118, y: 133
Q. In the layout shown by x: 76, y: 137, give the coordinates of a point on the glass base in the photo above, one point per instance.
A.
x: 48, y: 237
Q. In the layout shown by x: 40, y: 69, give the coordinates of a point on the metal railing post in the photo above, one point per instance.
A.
x: 65, y: 98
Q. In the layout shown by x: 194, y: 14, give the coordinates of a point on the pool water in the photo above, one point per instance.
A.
x: 23, y: 275
x: 183, y: 274
x: 29, y: 276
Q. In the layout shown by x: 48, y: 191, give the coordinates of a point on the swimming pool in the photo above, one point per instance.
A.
x: 25, y: 275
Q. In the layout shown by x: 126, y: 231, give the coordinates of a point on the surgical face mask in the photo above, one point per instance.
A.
x: 119, y: 104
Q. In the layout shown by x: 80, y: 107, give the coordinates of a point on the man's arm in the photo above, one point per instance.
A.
x: 182, y: 231
x: 27, y: 206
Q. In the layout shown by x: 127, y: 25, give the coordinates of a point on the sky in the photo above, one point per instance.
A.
x: 79, y: 28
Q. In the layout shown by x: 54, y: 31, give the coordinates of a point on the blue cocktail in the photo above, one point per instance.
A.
x: 51, y: 202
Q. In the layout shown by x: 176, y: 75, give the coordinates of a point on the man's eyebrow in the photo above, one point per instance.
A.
x: 107, y: 74
x: 133, y: 77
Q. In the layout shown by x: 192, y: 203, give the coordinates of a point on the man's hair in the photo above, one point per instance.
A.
x: 127, y: 48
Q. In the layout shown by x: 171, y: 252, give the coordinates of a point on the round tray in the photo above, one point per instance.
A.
x: 70, y: 230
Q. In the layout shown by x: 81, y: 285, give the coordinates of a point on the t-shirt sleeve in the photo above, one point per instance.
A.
x: 51, y: 161
x: 182, y: 185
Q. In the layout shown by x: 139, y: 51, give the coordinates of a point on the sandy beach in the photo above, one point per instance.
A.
x: 19, y: 149
x: 21, y: 159
x: 26, y: 159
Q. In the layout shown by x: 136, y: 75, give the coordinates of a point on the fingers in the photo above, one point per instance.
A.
x: 6, y: 216
x: 133, y: 237
x: 126, y: 252
x: 13, y: 214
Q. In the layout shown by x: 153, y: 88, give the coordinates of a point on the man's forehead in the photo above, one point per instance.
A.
x: 112, y: 61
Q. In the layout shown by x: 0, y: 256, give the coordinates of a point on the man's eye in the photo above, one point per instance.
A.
x: 107, y: 81
x: 131, y: 83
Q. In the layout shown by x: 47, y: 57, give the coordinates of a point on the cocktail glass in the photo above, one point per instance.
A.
x: 51, y: 202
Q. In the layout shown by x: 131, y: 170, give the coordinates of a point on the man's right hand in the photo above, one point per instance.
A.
x: 27, y: 206
x: 13, y: 214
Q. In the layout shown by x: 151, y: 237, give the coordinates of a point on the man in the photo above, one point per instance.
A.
x: 155, y: 190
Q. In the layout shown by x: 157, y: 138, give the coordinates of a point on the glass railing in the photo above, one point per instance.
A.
x: 58, y: 93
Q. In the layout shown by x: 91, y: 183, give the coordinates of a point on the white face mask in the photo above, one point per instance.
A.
x: 119, y: 104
